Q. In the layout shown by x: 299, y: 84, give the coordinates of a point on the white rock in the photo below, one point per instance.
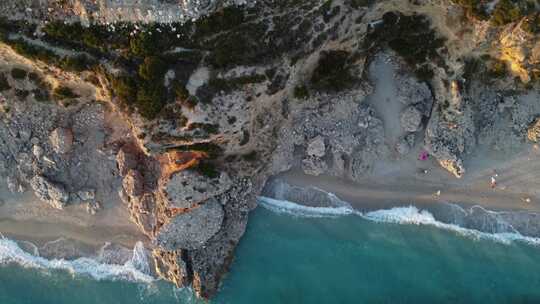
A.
x: 61, y: 140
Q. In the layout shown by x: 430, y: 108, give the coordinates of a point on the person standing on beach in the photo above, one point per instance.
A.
x: 493, y: 180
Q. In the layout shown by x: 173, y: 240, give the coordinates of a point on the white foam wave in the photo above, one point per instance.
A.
x: 409, y: 215
x: 135, y: 270
x: 282, y: 206
x: 412, y: 215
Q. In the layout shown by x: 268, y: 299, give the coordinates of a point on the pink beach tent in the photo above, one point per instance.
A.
x: 423, y: 155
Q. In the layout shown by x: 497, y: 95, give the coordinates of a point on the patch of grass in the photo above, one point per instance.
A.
x: 19, y: 74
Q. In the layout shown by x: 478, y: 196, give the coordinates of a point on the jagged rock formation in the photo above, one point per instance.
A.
x: 192, y: 119
x: 49, y: 192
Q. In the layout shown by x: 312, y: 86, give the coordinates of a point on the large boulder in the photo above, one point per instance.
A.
x: 61, y: 140
x: 192, y: 229
x: 316, y: 147
x: 411, y: 119
x: 185, y: 189
x: 52, y: 193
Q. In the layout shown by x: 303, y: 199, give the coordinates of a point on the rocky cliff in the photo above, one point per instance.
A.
x: 185, y: 120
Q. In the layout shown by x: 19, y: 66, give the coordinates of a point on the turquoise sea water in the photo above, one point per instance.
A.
x: 348, y: 259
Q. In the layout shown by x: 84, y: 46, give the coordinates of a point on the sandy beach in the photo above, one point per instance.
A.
x: 25, y: 218
x: 402, y: 182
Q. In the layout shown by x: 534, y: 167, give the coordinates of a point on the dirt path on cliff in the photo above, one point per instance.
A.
x: 401, y: 183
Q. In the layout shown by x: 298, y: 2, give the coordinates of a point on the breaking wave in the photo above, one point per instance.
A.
x: 409, y: 215
x: 136, y: 269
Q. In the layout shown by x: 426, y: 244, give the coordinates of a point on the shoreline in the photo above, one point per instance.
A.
x: 370, y: 195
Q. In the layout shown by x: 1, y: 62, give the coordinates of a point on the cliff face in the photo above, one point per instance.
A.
x: 194, y: 117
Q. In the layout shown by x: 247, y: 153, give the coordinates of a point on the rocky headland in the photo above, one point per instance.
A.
x: 165, y: 119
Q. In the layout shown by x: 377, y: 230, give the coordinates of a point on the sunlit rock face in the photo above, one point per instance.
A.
x: 108, y: 11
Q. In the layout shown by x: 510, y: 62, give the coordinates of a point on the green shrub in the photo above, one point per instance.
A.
x: 301, y: 92
x: 506, y: 12
x: 4, y: 84
x: 474, y: 8
x: 125, y: 89
x: 17, y: 73
x: 77, y: 63
x: 62, y: 92
x: 144, y: 44
x: 21, y: 94
x: 41, y: 95
x: 208, y: 169
x: 412, y: 37
x: 150, y: 99
x: 332, y: 72
x: 153, y: 68
x: 180, y: 91
x: 497, y: 68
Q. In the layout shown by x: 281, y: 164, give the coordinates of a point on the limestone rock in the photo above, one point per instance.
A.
x: 37, y: 151
x: 61, y: 140
x: 86, y: 195
x: 171, y: 266
x: 533, y: 133
x: 49, y: 192
x: 191, y: 230
x: 314, y: 166
x: 93, y: 207
x: 133, y: 184
x: 187, y: 188
x: 14, y: 185
x: 454, y: 166
x: 411, y: 119
x: 126, y: 161
x: 316, y: 147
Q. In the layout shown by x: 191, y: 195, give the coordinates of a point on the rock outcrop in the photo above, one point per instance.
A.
x: 52, y: 193
x: 61, y: 140
x: 188, y: 188
x: 533, y: 133
x: 191, y: 229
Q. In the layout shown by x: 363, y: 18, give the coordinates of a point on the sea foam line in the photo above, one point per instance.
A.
x: 134, y: 270
x: 409, y: 215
